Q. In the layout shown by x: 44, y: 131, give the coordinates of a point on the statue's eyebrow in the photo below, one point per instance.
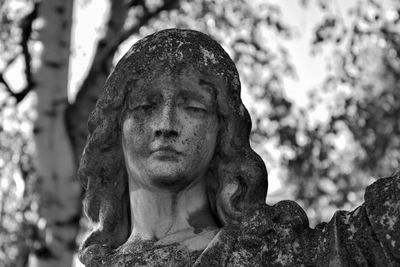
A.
x: 205, y: 98
x: 208, y: 86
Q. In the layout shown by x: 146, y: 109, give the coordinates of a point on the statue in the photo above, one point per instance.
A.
x: 171, y: 179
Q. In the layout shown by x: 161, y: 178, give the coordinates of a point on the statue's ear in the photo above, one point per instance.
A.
x: 227, y: 212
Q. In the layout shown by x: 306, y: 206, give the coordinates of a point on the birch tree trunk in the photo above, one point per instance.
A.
x: 59, y: 205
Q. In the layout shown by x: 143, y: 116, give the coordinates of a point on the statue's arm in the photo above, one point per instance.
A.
x: 367, y: 236
x: 279, y: 235
x: 382, y: 205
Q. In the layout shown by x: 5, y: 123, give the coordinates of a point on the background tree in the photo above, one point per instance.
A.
x: 58, y: 193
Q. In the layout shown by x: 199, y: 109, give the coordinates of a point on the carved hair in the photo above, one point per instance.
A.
x: 238, y: 175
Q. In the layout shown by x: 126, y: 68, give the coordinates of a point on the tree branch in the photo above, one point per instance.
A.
x: 113, y: 44
x: 133, y: 3
x: 10, y: 61
x: 18, y: 96
x: 26, y: 26
x: 168, y: 5
x: 77, y: 113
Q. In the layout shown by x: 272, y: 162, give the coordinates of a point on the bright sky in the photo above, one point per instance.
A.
x: 310, y: 69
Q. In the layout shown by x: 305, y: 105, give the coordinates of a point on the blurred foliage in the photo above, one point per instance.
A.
x: 361, y: 136
x: 326, y: 163
x: 18, y: 208
x: 18, y: 205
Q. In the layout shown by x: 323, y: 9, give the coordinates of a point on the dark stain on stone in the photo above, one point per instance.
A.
x: 200, y: 219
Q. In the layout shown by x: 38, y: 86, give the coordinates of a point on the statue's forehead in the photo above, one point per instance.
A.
x: 164, y: 75
x: 174, y: 48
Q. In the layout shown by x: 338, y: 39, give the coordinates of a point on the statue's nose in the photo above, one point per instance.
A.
x: 167, y: 124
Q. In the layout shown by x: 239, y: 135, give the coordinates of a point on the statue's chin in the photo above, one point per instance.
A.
x: 173, y: 173
x: 171, y: 182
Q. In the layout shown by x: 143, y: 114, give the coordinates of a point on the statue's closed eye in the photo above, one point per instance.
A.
x: 196, y: 109
x: 144, y: 107
x: 194, y: 106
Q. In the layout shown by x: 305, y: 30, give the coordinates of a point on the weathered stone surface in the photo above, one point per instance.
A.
x: 148, y: 206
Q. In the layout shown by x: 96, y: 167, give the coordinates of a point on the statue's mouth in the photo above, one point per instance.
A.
x: 165, y: 149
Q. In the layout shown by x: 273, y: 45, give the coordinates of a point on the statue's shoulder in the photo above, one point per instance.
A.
x: 270, y: 236
x: 367, y: 236
x: 280, y: 235
x: 286, y: 217
x: 266, y: 236
x: 382, y: 205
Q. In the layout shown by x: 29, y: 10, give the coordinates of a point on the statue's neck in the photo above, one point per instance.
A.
x: 169, y: 216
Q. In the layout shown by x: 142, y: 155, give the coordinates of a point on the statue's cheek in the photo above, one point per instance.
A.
x: 205, y: 139
x: 135, y: 135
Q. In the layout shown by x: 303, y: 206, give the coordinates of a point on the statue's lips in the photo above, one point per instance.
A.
x: 165, y: 151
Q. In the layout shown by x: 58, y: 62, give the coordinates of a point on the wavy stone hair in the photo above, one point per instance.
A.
x: 238, y: 175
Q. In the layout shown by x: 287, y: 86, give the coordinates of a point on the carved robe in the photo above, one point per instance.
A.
x: 279, y: 235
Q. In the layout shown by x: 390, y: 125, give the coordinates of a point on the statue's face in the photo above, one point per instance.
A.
x: 170, y: 130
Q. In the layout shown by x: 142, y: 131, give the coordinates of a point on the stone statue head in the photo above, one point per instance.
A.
x: 237, y: 177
